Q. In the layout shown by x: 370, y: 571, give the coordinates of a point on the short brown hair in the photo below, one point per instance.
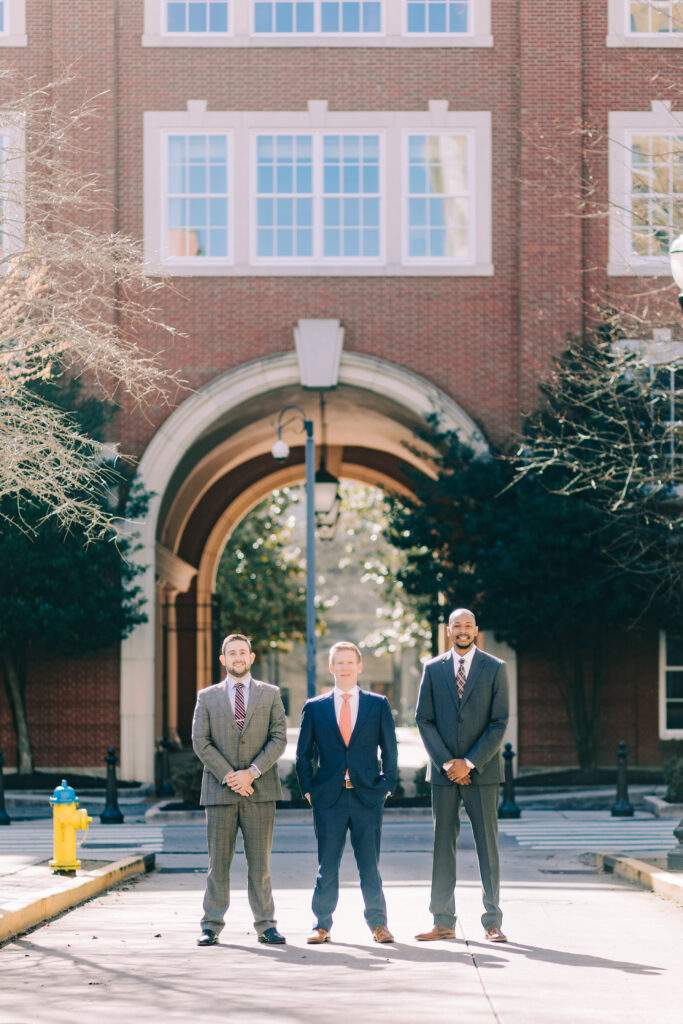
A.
x: 235, y: 636
x: 344, y: 645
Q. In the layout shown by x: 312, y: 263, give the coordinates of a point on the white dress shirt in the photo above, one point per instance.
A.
x: 467, y: 658
x: 353, y: 703
x: 246, y: 683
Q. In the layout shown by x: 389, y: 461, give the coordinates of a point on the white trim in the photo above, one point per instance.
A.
x: 621, y: 124
x: 664, y: 732
x: 315, y: 120
x: 175, y: 437
x: 14, y: 33
x: 12, y: 135
x: 393, y: 32
x: 619, y: 33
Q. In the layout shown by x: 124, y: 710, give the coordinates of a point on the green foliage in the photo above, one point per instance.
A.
x: 291, y: 781
x: 673, y: 776
x: 261, y: 578
x: 187, y: 781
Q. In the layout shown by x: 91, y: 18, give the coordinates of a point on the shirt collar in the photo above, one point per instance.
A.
x: 468, y: 657
x: 340, y: 693
x: 245, y: 680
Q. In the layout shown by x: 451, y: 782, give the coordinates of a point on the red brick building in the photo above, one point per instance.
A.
x: 380, y: 165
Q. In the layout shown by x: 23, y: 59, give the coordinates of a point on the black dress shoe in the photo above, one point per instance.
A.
x: 207, y: 938
x: 272, y: 937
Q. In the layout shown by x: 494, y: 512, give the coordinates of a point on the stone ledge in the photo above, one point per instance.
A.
x: 661, y: 809
x: 21, y: 914
x: 663, y: 883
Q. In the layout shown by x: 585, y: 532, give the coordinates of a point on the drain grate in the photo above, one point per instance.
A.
x: 567, y: 871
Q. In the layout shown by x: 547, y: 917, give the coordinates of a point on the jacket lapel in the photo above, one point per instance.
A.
x: 361, y: 717
x: 330, y: 714
x: 472, y: 676
x: 255, y: 695
x: 224, y: 706
x: 448, y: 675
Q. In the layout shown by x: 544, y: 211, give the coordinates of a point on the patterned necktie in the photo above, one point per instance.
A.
x: 345, y: 718
x: 461, y: 678
x: 240, y: 709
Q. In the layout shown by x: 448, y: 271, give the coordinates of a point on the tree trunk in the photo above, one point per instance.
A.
x: 15, y: 687
x: 583, y: 698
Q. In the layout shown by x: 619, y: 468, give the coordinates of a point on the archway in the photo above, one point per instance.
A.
x: 209, y: 463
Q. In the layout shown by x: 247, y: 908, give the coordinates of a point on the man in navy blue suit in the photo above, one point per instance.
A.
x: 346, y: 783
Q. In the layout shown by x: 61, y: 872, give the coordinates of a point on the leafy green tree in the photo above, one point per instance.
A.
x: 530, y: 563
x: 62, y: 593
x: 261, y: 579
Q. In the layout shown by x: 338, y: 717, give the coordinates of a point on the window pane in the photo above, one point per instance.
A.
x: 674, y: 649
x: 674, y: 685
x: 351, y: 171
x: 284, y: 16
x: 197, y: 203
x: 674, y: 715
x: 656, y: 171
x: 197, y: 16
x: 438, y: 16
x: 284, y: 170
x: 438, y: 201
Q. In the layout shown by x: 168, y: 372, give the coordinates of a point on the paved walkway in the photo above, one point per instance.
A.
x: 585, y: 948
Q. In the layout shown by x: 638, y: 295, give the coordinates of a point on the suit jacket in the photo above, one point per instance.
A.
x: 322, y: 757
x: 472, y: 727
x: 222, y: 748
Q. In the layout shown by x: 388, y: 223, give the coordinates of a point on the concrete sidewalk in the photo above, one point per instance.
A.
x: 585, y: 949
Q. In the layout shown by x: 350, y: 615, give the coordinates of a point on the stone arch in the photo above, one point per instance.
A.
x: 160, y: 461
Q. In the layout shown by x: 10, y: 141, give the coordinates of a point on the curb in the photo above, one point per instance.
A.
x: 662, y: 809
x: 20, y: 915
x: 663, y: 883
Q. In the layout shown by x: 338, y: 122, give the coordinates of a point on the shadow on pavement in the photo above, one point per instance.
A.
x: 556, y: 956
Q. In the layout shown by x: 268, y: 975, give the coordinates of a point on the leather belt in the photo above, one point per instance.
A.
x: 348, y: 784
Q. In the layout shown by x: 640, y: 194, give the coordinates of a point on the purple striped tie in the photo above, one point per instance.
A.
x: 240, y: 709
x: 461, y: 678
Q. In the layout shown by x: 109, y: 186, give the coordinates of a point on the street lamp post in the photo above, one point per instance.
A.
x: 674, y: 857
x: 280, y: 451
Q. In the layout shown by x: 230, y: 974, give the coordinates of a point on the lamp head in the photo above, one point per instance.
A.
x: 280, y: 450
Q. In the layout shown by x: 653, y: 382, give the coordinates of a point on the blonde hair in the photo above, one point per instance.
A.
x: 344, y: 645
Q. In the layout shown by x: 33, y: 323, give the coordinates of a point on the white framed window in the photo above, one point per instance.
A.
x: 662, y: 360
x: 13, y: 23
x: 196, y: 213
x: 317, y: 197
x: 646, y: 190
x: 670, y: 685
x: 645, y: 23
x: 318, y: 192
x: 438, y: 210
x: 12, y: 170
x: 394, y: 23
x: 196, y: 16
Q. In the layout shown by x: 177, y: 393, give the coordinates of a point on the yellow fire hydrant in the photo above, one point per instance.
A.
x: 67, y: 818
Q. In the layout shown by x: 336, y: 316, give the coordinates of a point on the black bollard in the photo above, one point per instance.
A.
x: 111, y: 815
x: 622, y: 807
x: 509, y: 807
x: 165, y: 784
x: 4, y: 816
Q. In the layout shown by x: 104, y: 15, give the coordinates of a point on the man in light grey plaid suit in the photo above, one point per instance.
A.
x: 239, y: 732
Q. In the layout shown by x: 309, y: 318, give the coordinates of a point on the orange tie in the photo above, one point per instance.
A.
x: 345, y: 718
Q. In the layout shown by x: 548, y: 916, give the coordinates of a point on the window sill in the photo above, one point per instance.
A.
x: 156, y: 269
x: 11, y: 40
x: 369, y: 41
x: 644, y: 42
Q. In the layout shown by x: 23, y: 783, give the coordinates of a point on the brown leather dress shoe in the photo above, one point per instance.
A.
x: 439, y: 931
x: 318, y: 936
x: 382, y: 934
x: 494, y: 935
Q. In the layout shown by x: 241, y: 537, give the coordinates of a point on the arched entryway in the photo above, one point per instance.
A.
x: 210, y: 463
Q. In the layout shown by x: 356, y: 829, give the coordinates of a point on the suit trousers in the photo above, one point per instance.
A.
x: 331, y: 824
x: 256, y: 821
x: 481, y: 804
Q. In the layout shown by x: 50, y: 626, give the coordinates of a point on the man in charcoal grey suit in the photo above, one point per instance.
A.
x: 239, y: 731
x: 462, y: 713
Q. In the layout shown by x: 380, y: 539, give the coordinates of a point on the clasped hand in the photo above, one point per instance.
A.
x: 458, y: 771
x: 240, y: 782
